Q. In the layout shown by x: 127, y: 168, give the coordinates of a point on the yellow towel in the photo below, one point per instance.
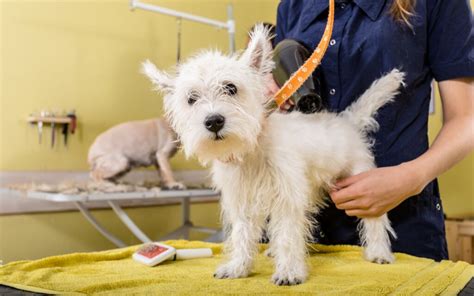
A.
x: 334, y: 270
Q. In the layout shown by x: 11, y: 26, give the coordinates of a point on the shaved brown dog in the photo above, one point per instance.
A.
x: 134, y: 144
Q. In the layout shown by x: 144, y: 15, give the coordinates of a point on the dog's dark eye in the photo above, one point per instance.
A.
x: 192, y: 97
x: 230, y: 89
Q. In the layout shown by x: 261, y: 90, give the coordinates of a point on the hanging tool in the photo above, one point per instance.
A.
x: 73, y: 117
x: 69, y: 126
x: 65, y: 132
x: 53, y: 131
x: 40, y: 126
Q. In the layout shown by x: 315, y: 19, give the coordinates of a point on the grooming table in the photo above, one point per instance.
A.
x: 112, y: 199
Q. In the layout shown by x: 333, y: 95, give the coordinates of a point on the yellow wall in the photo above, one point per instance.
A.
x: 85, y: 55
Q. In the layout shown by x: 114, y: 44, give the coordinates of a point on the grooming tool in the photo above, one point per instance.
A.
x: 65, y: 131
x: 288, y: 56
x: 40, y: 127
x: 53, y: 131
x: 73, y: 117
x: 305, y: 71
x: 154, y: 253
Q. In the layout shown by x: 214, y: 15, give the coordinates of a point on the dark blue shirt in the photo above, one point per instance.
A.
x: 366, y: 43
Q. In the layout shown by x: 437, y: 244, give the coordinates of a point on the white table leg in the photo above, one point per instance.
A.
x: 85, y: 212
x: 129, y: 223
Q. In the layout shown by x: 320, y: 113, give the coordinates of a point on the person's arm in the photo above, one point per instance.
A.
x: 373, y: 193
x: 456, y: 138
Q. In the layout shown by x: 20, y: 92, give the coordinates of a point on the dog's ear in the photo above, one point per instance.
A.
x: 161, y: 80
x: 259, y: 51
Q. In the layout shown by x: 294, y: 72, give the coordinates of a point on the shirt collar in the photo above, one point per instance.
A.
x: 371, y: 8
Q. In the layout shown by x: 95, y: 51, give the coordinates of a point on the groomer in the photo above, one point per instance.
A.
x: 426, y: 39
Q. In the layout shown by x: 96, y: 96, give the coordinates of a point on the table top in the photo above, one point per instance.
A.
x: 85, y: 197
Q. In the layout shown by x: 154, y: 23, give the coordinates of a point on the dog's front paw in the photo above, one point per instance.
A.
x: 379, y: 256
x: 174, y: 186
x: 231, y: 271
x: 288, y: 278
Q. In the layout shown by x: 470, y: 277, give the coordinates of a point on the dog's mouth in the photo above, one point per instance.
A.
x: 218, y: 137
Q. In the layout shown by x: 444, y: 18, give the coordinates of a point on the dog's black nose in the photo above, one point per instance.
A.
x: 214, y: 122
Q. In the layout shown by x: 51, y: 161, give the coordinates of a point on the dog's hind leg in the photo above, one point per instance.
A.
x: 289, y: 228
x: 107, y: 167
x: 375, y: 232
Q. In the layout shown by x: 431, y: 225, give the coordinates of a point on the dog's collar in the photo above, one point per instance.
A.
x: 299, y: 77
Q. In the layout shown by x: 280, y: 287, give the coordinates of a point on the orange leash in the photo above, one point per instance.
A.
x: 299, y: 77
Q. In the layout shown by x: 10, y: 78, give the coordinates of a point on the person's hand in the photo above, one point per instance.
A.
x: 375, y: 192
x: 287, y: 106
x: 271, y: 86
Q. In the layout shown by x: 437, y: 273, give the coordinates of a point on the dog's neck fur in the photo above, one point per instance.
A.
x: 256, y: 153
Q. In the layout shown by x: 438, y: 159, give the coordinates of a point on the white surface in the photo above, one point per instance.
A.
x: 58, y: 197
x: 15, y: 202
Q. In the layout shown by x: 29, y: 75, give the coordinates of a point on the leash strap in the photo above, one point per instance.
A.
x: 299, y: 77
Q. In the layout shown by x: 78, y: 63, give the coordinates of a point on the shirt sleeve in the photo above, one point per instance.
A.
x: 280, y: 27
x: 450, y: 40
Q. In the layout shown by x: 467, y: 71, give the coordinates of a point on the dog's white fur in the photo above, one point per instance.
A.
x: 134, y: 144
x: 275, y: 166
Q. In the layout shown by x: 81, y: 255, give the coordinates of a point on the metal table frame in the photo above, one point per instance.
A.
x: 112, y: 200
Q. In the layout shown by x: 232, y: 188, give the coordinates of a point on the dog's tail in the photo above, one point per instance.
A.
x: 382, y: 91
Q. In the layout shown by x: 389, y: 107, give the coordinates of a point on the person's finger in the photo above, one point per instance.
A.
x: 343, y: 195
x: 285, y: 107
x: 341, y: 183
x: 355, y: 204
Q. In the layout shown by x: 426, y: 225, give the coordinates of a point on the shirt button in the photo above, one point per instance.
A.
x: 342, y: 6
x: 332, y: 42
x: 332, y: 92
x: 438, y: 206
x: 321, y: 234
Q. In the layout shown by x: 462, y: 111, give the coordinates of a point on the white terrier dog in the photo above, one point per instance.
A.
x: 270, y: 165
